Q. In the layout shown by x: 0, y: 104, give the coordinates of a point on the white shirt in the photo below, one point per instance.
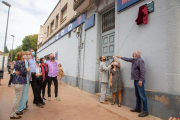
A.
x: 38, y: 70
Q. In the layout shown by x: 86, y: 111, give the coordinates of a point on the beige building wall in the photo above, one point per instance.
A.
x: 63, y: 8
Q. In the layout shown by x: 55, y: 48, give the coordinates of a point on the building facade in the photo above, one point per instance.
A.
x: 107, y: 27
x: 6, y: 59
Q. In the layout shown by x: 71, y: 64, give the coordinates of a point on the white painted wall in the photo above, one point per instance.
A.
x: 67, y: 53
x: 153, y: 40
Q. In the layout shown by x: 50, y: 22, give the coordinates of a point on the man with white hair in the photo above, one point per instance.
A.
x: 138, y: 72
x: 52, y: 74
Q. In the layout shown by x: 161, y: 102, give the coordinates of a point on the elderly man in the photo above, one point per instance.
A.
x: 103, y: 77
x: 138, y: 72
x: 52, y: 74
x: 37, y: 97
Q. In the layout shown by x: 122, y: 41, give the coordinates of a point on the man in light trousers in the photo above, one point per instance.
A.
x: 103, y: 77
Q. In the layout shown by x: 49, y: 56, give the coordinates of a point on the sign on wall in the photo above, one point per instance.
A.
x: 122, y: 4
x: 56, y: 56
x: 90, y: 22
x: 64, y: 31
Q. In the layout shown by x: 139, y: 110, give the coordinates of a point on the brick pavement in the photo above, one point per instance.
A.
x: 75, y: 104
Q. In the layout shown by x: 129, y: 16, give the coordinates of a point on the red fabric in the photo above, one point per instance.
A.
x: 142, y: 15
x: 43, y: 72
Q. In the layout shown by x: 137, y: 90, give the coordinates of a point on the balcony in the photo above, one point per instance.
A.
x: 80, y: 5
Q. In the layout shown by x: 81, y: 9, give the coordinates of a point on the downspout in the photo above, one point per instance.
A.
x: 84, y: 43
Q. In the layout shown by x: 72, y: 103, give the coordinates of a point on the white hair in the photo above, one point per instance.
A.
x: 138, y: 53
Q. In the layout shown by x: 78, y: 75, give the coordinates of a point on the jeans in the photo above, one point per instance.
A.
x: 140, y: 94
x: 55, y: 81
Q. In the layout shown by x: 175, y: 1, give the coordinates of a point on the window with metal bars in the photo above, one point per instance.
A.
x: 108, y: 20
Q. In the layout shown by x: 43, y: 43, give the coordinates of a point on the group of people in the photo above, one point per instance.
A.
x: 37, y: 72
x: 138, y: 72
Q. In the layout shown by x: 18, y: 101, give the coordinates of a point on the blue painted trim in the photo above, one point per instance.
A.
x: 64, y: 31
x: 90, y: 22
x: 122, y: 4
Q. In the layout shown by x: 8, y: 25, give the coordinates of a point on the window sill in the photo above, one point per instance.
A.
x: 56, y: 27
x: 63, y: 20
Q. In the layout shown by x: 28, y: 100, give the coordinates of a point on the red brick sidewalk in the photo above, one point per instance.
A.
x: 74, y: 105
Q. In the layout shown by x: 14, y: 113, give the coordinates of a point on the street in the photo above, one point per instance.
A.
x: 75, y: 104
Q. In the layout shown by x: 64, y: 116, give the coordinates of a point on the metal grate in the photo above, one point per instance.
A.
x: 108, y: 20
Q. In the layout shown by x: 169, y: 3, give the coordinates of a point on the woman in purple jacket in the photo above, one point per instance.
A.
x: 18, y: 82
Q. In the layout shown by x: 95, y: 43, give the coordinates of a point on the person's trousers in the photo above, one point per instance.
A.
x: 39, y: 82
x: 55, y: 85
x: 24, y: 98
x: 18, y: 94
x: 35, y: 89
x: 11, y: 76
x: 140, y: 94
x: 103, y: 91
x: 44, y: 86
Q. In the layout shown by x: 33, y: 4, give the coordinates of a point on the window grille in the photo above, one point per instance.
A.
x: 108, y: 20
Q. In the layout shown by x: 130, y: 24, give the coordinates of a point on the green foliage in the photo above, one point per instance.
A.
x: 27, y: 43
x: 30, y: 42
x: 6, y: 50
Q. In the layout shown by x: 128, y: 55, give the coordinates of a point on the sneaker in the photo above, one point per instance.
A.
x: 44, y: 99
x: 49, y: 98
x: 40, y: 105
x: 135, y: 110
x: 143, y: 114
x: 57, y: 98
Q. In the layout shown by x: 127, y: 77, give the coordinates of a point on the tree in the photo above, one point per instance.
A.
x: 6, y: 50
x: 30, y: 42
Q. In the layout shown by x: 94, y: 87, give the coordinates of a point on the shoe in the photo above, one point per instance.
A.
x: 119, y: 105
x: 40, y: 105
x: 16, y: 117
x: 104, y: 102
x: 9, y: 85
x: 44, y: 99
x: 43, y: 103
x: 112, y: 103
x: 19, y: 113
x: 57, y: 98
x: 49, y: 98
x: 143, y: 114
x: 135, y: 110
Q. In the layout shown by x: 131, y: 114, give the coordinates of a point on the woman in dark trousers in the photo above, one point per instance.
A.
x: 11, y: 73
x: 38, y: 76
x: 44, y: 69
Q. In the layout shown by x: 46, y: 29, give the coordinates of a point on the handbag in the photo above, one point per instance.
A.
x: 62, y: 74
x: 38, y: 78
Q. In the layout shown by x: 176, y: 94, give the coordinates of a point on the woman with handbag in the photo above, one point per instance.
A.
x: 18, y: 83
x: 38, y: 76
x: 60, y: 73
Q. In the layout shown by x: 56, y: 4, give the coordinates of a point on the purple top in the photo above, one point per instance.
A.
x: 138, y: 70
x: 52, y: 68
x: 21, y: 77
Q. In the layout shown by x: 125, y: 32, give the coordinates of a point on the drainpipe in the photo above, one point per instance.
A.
x: 84, y: 43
